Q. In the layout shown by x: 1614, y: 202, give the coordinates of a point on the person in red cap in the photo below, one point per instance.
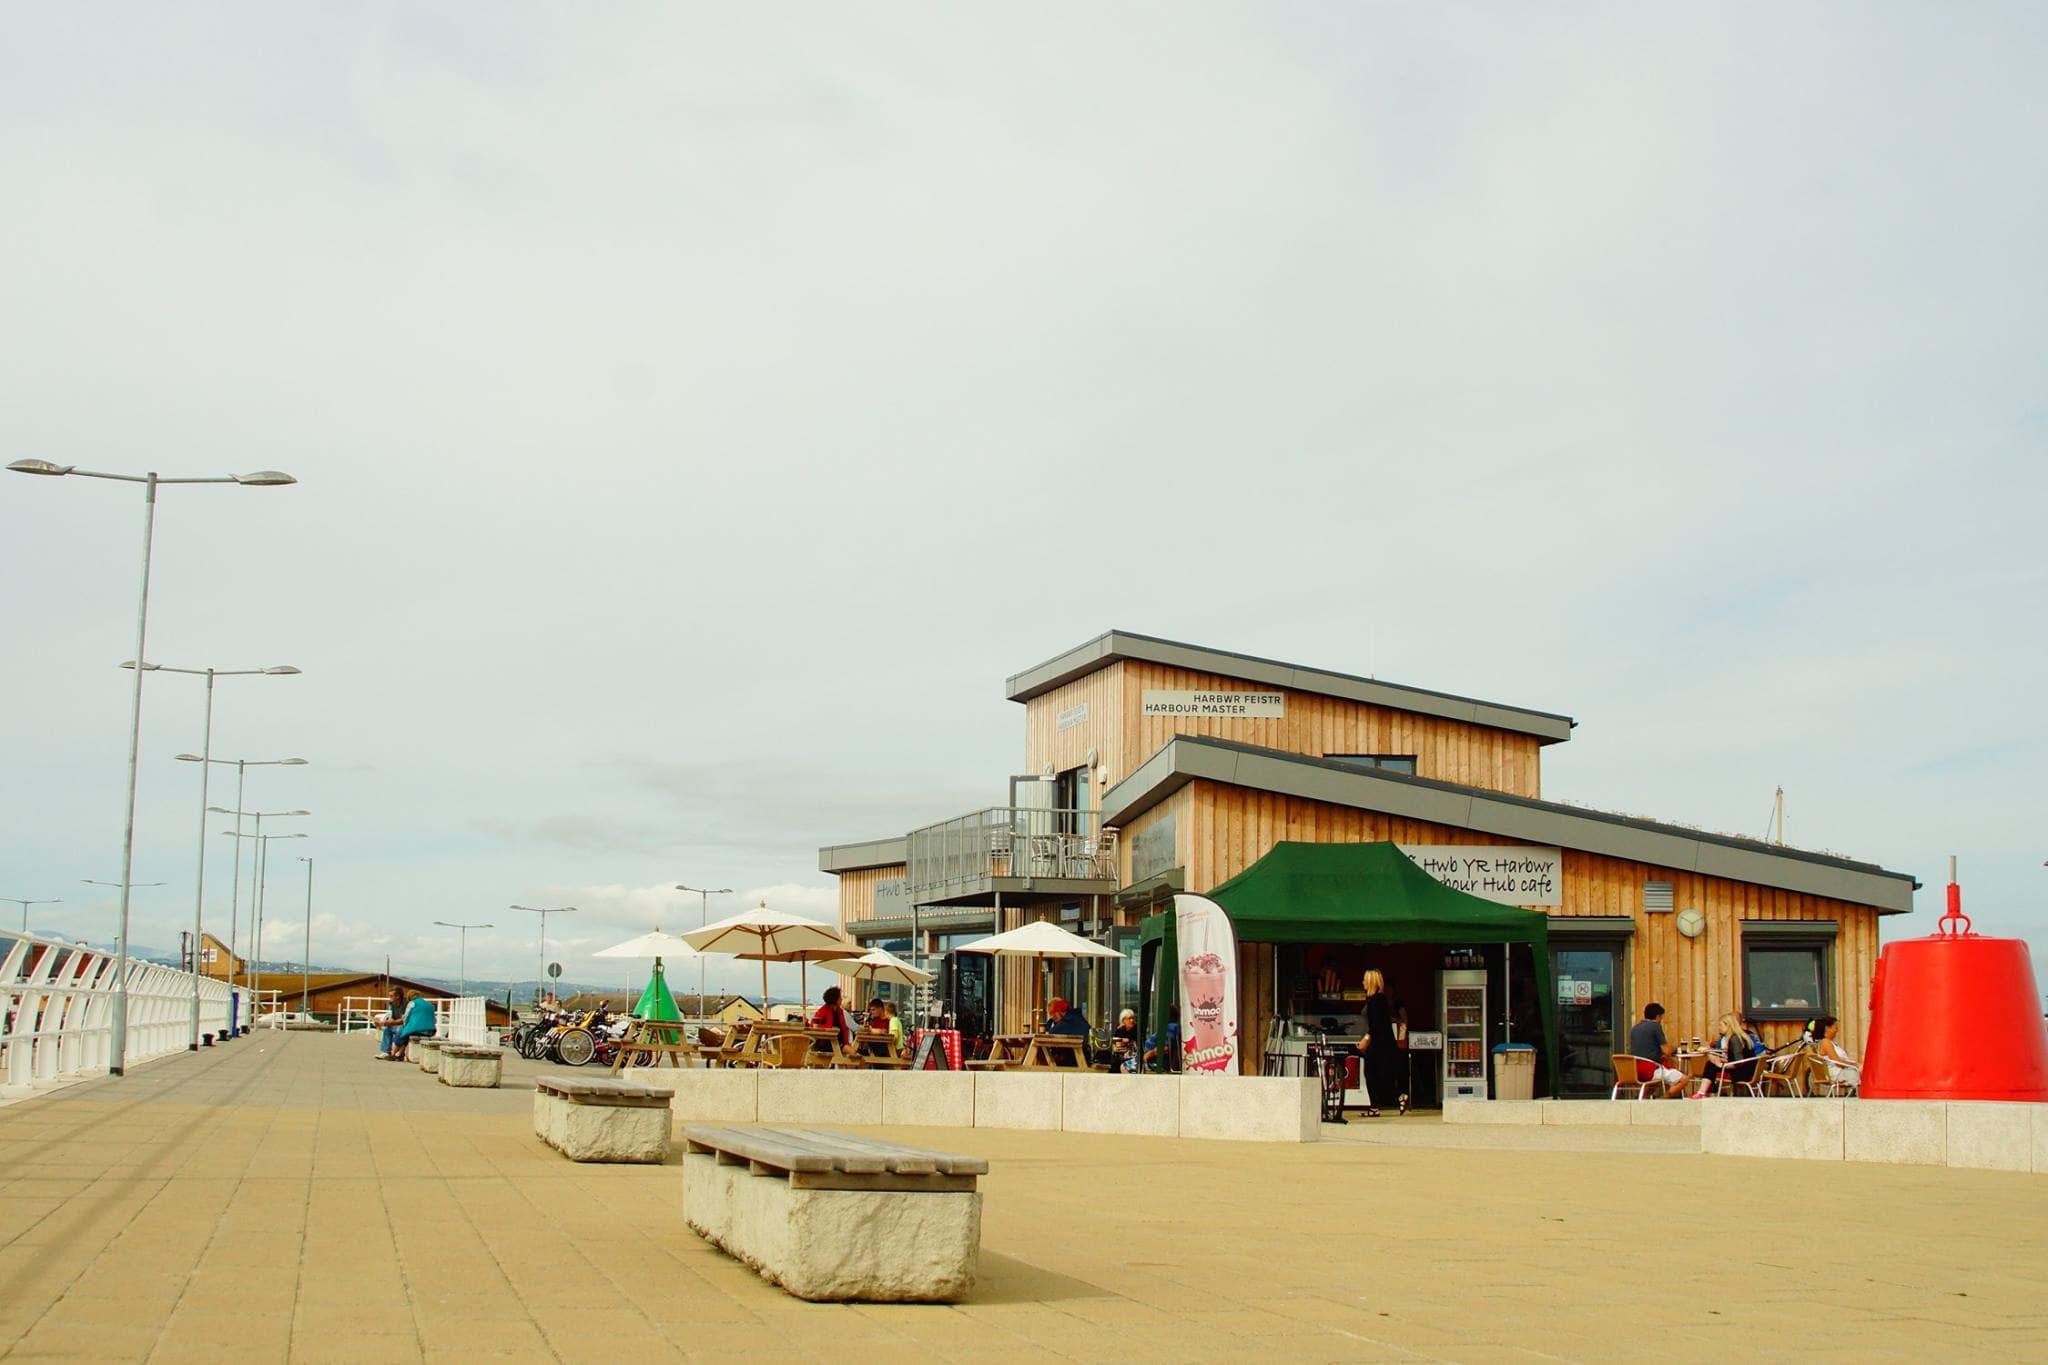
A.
x: 1061, y: 1018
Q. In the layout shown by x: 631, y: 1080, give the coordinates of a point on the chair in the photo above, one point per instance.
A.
x: 1627, y: 1074
x: 1783, y: 1073
x: 1720, y: 1069
x: 1826, y: 1078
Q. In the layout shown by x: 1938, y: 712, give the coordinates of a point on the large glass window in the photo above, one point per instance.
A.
x: 1785, y: 978
x: 1589, y: 1014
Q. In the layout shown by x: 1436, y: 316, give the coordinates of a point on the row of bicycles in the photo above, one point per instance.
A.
x: 571, y: 1039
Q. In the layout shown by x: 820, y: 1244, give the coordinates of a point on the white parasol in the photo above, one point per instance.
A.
x: 772, y: 936
x: 1038, y: 940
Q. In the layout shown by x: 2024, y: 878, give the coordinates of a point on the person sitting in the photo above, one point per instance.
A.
x: 1063, y: 1020
x: 1843, y: 1070
x: 1654, y: 1055
x: 419, y: 1023
x: 1739, y: 1048
x: 393, y: 1016
x: 895, y: 1024
x: 830, y: 1016
x: 1163, y: 1056
x: 1123, y: 1042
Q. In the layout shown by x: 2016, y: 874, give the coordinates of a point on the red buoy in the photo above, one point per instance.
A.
x: 1956, y: 1016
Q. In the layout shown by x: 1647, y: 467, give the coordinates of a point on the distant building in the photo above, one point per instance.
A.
x: 725, y: 1009
x: 324, y: 993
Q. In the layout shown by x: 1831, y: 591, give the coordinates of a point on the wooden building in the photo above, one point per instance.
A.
x: 326, y: 993
x: 1155, y: 767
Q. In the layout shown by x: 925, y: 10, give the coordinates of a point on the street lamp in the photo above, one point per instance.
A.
x: 462, y: 968
x: 543, y: 913
x: 117, y: 1049
x: 306, y: 962
x: 16, y: 900
x: 704, y: 918
x: 205, y: 771
x: 259, y: 897
x: 235, y: 891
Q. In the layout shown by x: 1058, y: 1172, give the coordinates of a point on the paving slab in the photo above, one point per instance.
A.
x: 293, y: 1199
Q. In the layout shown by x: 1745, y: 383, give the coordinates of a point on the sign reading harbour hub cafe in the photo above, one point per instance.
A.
x: 1240, y: 705
x: 1511, y: 876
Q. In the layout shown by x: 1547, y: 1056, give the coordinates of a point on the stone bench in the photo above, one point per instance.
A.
x: 472, y: 1068
x: 425, y: 1051
x: 834, y: 1217
x: 601, y: 1119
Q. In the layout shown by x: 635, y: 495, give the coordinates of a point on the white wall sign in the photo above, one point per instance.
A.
x: 1512, y: 876
x: 1238, y: 705
x: 1072, y: 716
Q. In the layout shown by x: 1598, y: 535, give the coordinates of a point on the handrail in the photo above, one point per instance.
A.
x: 1010, y: 841
x: 57, y: 1003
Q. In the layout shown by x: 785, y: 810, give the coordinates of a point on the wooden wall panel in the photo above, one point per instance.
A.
x: 857, y: 891
x: 1103, y: 730
x: 1696, y: 980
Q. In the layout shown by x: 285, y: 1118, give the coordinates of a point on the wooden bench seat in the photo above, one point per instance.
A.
x: 600, y: 1119
x: 803, y: 1207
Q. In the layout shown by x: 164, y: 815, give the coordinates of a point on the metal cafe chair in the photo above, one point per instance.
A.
x: 1627, y: 1074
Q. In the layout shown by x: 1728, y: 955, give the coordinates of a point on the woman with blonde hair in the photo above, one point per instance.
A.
x: 1382, y: 1053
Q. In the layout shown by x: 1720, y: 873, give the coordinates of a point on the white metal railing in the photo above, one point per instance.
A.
x: 57, y: 1004
x: 1010, y: 841
x: 462, y: 1020
x: 359, y: 1013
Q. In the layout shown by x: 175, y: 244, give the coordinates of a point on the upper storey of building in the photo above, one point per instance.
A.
x: 1095, y: 714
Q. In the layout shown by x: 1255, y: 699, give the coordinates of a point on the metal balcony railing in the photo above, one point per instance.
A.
x: 1010, y: 841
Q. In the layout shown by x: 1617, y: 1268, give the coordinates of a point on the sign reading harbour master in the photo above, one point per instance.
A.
x: 1252, y: 705
x: 1511, y: 876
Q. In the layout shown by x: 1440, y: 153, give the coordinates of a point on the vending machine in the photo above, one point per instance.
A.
x: 1464, y: 1016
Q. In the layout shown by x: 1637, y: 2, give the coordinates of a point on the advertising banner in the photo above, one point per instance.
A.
x: 1208, y: 986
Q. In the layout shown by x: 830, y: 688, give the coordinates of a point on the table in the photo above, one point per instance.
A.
x: 1035, y: 1052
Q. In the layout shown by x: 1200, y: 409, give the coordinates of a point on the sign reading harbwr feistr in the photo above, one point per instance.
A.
x: 1253, y: 705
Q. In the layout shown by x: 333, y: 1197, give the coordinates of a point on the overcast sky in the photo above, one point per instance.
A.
x: 700, y: 410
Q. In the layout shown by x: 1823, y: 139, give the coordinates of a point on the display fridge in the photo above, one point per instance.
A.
x: 1464, y: 1016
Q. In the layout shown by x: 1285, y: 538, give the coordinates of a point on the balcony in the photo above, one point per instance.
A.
x: 1016, y: 851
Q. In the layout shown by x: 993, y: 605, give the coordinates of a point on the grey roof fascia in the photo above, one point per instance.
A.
x: 1189, y: 758
x: 1547, y: 726
x: 873, y: 853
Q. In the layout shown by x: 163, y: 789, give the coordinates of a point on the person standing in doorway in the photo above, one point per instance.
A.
x: 1384, y: 1081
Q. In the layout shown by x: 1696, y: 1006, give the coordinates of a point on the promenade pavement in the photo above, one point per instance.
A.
x: 289, y: 1198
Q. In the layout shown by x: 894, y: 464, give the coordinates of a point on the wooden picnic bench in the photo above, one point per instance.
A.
x: 600, y: 1119
x: 649, y: 1041
x: 1034, y: 1052
x: 791, y: 1202
x: 879, y: 1049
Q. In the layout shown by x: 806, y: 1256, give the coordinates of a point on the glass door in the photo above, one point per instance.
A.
x: 1590, y: 1013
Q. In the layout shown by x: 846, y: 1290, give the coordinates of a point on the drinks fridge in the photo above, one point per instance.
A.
x: 1464, y: 1017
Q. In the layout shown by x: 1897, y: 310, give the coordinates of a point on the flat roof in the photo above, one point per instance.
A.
x: 1547, y: 726
x: 1188, y: 758
x: 872, y: 853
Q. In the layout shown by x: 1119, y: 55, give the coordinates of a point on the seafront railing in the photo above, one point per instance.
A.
x: 462, y: 1020
x: 57, y: 1009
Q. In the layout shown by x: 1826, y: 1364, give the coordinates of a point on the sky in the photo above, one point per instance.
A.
x: 699, y: 411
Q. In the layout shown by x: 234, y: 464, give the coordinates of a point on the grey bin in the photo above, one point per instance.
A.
x: 1514, y: 1071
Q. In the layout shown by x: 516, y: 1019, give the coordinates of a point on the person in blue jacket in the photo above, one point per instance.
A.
x: 419, y: 1023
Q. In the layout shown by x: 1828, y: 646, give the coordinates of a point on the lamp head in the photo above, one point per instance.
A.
x: 192, y: 758
x: 40, y: 467
x: 146, y: 668
x: 265, y: 478
x: 293, y: 762
x: 280, y: 670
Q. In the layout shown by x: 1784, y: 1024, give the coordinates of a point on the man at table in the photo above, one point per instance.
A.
x: 830, y: 1016
x: 1655, y: 1056
x: 1064, y: 1020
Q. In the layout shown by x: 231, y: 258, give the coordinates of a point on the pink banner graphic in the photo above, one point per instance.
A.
x: 1208, y: 986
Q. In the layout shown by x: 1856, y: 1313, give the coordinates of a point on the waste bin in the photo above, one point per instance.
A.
x: 1514, y: 1071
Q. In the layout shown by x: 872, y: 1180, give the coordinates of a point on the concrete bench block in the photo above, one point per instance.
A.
x: 819, y: 1095
x: 836, y: 1245
x: 472, y: 1068
x: 1898, y: 1132
x: 601, y: 1132
x: 942, y: 1099
x: 426, y: 1053
x: 1493, y: 1111
x: 1664, y: 1113
x: 1251, y: 1108
x: 715, y: 1095
x: 1017, y: 1099
x: 1143, y: 1106
x: 1587, y: 1113
x: 1809, y: 1130
x: 1991, y: 1137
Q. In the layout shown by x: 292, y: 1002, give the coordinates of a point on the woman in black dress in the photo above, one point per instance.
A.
x: 1383, y: 1069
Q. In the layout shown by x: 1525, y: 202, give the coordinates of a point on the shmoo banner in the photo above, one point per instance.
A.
x: 1208, y: 986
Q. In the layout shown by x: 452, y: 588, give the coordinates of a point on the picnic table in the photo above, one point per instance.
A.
x: 1034, y: 1052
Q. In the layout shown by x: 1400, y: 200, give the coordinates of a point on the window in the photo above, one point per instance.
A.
x: 1392, y: 763
x: 1785, y: 977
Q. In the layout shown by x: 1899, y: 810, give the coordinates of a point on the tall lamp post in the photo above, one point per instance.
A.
x: 242, y: 765
x: 205, y: 771
x: 539, y: 983
x: 16, y: 900
x: 704, y: 918
x: 462, y: 969
x: 258, y: 898
x: 117, y: 1049
x: 306, y: 962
